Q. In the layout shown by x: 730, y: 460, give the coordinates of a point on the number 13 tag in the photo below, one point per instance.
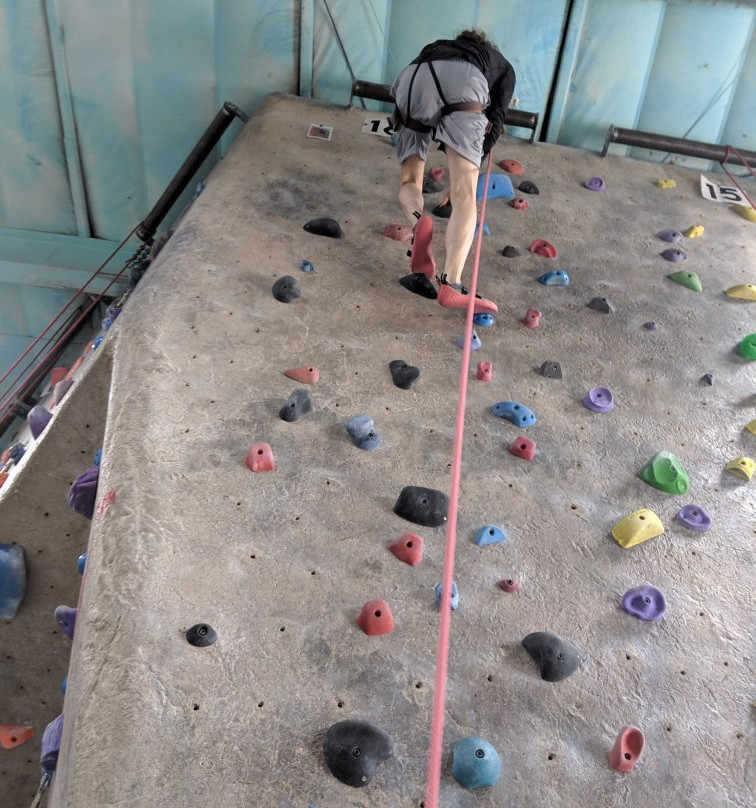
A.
x: 377, y: 126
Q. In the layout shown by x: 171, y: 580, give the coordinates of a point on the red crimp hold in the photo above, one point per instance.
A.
x: 398, y: 232
x: 542, y: 247
x: 260, y: 458
x: 375, y: 618
x: 15, y: 734
x: 512, y: 166
x: 509, y: 585
x: 518, y: 203
x: 408, y: 548
x: 485, y: 371
x: 532, y: 318
x: 627, y: 749
x: 522, y: 447
x: 106, y: 501
x: 304, y: 374
x: 437, y: 173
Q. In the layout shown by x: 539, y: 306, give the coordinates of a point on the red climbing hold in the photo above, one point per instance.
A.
x: 398, y: 232
x: 437, y: 173
x: 627, y: 749
x: 512, y: 166
x: 375, y: 618
x: 542, y: 247
x: 408, y: 548
x: 532, y: 318
x: 304, y: 374
x: 518, y: 203
x: 485, y: 371
x: 260, y: 458
x: 422, y: 261
x: 523, y: 447
x: 509, y: 585
x: 14, y: 735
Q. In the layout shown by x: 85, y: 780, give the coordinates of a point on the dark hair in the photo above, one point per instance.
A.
x: 476, y: 36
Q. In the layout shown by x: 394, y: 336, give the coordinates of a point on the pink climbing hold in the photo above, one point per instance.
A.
x: 627, y: 749
x: 408, y: 548
x: 518, y: 203
x: 398, y: 232
x: 542, y: 247
x: 512, y: 166
x: 532, y: 318
x: 376, y: 618
x: 305, y: 374
x: 485, y: 371
x: 437, y: 173
x: 522, y: 447
x: 509, y: 585
x: 260, y: 458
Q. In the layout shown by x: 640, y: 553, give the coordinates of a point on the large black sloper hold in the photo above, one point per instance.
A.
x: 423, y: 506
x: 296, y: 405
x: 353, y: 750
x: 403, y: 375
x: 286, y: 289
x: 556, y: 657
x: 324, y: 227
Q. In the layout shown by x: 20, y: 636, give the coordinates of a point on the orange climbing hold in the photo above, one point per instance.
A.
x: 14, y: 735
x: 304, y: 374
x: 57, y: 375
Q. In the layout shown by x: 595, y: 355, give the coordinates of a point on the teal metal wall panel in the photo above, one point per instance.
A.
x: 34, y: 190
x: 739, y: 130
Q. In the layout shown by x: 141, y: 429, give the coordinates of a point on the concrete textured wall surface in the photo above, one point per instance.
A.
x: 280, y: 563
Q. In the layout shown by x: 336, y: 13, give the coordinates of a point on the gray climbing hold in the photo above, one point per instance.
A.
x: 600, y: 304
x: 510, y: 252
x: 361, y: 429
x: 403, y: 375
x: 423, y: 506
x: 201, y: 635
x: 708, y: 378
x: 551, y: 370
x: 528, y: 187
x: 431, y: 185
x: 286, y: 289
x: 324, y: 227
x: 354, y: 749
x: 556, y: 657
x: 297, y: 404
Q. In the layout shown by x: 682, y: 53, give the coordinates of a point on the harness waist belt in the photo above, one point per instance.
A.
x: 416, y: 126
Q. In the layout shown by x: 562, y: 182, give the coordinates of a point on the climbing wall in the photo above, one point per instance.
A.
x: 279, y: 563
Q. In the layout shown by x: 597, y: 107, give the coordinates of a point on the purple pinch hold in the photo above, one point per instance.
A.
x: 594, y: 184
x: 644, y: 602
x: 673, y: 254
x: 650, y: 325
x: 599, y: 399
x: 671, y: 236
x: 694, y: 517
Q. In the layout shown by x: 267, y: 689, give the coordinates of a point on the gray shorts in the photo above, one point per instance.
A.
x: 462, y: 131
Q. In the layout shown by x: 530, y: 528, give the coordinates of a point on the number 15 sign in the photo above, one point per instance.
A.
x: 720, y: 193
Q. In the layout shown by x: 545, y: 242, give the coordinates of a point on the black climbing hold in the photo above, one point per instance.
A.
x: 404, y: 375
x: 708, y: 378
x: 201, y: 635
x: 551, y: 370
x: 431, y: 186
x: 353, y: 750
x: 423, y: 506
x: 600, y: 304
x: 556, y: 657
x: 324, y: 227
x: 528, y: 187
x: 297, y: 404
x: 510, y: 252
x: 443, y: 211
x: 286, y: 289
x: 420, y: 285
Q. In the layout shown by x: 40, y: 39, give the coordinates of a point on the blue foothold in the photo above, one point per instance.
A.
x: 306, y: 266
x: 475, y: 342
x: 499, y: 187
x: 106, y: 323
x: 454, y: 596
x: 64, y: 684
x: 556, y: 277
x: 489, y: 534
x: 362, y: 431
x: 98, y: 341
x: 81, y: 562
x: 518, y: 414
x: 12, y: 579
x: 97, y: 459
x: 483, y: 320
x: 475, y: 763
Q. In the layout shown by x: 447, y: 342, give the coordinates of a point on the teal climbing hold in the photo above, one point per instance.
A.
x: 489, y: 534
x: 499, y: 187
x: 747, y: 347
x: 687, y: 279
x: 12, y: 579
x: 475, y: 763
x: 665, y: 472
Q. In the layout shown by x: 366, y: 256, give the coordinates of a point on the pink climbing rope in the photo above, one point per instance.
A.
x: 729, y: 151
x: 433, y: 778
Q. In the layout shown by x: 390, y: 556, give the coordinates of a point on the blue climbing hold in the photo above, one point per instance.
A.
x: 475, y: 763
x: 361, y: 429
x: 306, y: 266
x: 64, y: 684
x: 486, y: 229
x: 483, y: 320
x: 454, y: 596
x: 16, y: 452
x: 475, y: 342
x: 499, y: 187
x: 489, y: 534
x: 97, y: 459
x: 106, y: 323
x: 97, y: 342
x: 518, y: 414
x: 12, y: 579
x: 81, y: 562
x: 556, y: 277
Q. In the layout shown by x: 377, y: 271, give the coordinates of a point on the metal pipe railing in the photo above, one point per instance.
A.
x: 676, y: 145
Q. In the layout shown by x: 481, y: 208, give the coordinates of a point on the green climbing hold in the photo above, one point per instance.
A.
x: 665, y: 472
x: 747, y: 347
x: 689, y: 279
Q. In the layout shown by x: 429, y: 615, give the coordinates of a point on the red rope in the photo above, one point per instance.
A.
x: 729, y: 151
x: 433, y: 779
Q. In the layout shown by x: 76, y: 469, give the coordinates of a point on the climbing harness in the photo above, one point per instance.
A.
x: 433, y: 778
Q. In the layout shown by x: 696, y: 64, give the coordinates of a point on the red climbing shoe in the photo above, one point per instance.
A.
x: 421, y: 260
x: 451, y: 298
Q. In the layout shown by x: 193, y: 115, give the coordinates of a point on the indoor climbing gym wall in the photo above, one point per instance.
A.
x: 258, y: 621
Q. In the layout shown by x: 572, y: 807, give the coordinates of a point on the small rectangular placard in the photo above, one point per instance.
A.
x: 319, y: 131
x: 721, y: 193
x: 377, y: 126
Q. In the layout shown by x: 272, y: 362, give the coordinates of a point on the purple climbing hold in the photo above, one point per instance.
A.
x: 650, y: 325
x: 475, y: 342
x: 599, y: 399
x: 670, y: 236
x: 65, y: 617
x: 60, y: 389
x: 594, y: 184
x: 644, y: 602
x: 51, y: 745
x: 694, y: 517
x: 38, y: 418
x: 674, y: 254
x: 83, y: 492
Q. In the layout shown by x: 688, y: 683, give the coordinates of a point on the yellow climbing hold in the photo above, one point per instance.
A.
x: 638, y: 527
x: 751, y: 426
x: 742, y: 467
x: 746, y: 212
x: 694, y: 231
x: 745, y: 291
x: 665, y: 184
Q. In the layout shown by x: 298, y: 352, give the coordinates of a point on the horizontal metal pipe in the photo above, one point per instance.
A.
x: 676, y: 145
x: 382, y: 92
